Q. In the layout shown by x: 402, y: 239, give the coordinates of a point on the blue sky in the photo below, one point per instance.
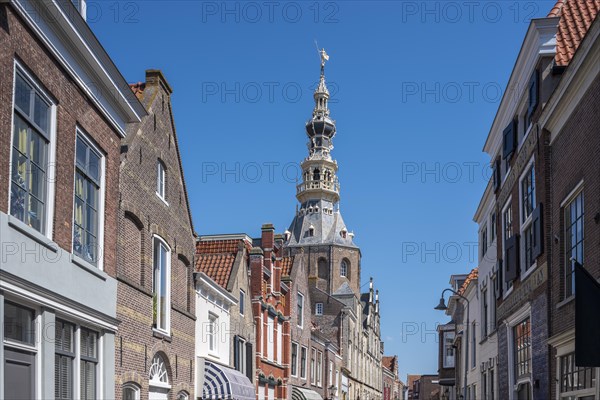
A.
x: 415, y: 87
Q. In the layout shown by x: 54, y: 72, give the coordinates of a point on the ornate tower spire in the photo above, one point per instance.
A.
x: 319, y: 180
x: 318, y: 219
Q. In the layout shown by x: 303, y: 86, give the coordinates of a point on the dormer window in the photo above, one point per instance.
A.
x: 311, y: 231
x: 344, y: 233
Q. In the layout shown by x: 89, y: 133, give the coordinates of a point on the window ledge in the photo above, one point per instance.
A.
x: 161, y: 335
x: 80, y: 262
x: 565, y: 301
x: 529, y: 271
x: 28, y: 231
x: 162, y: 199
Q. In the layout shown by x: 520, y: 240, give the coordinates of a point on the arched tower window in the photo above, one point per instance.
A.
x: 316, y: 174
x: 345, y: 268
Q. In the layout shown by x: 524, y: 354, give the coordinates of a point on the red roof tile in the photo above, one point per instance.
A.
x: 576, y: 17
x: 286, y: 265
x: 472, y: 276
x: 216, y: 258
x: 389, y: 362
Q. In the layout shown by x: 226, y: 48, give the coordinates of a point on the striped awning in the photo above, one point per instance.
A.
x: 222, y: 383
x: 299, y: 393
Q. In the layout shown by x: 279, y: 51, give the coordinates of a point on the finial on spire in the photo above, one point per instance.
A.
x: 324, y: 58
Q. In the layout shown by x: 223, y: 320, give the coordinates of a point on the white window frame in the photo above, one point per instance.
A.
x: 134, y: 387
x: 303, y: 365
x: 161, y: 181
x: 101, y: 198
x: 344, y: 268
x: 319, y: 309
x: 51, y: 170
x: 319, y: 368
x: 527, y: 223
x: 242, y: 301
x: 448, y: 335
x: 212, y: 333
x: 563, y: 207
x: 512, y: 321
x: 270, y: 338
x: 167, y: 332
x: 279, y: 342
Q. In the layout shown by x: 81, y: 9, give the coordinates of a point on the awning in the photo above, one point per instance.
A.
x: 222, y: 383
x: 299, y: 393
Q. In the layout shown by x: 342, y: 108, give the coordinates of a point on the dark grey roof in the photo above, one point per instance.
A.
x: 327, y: 228
x: 344, y: 290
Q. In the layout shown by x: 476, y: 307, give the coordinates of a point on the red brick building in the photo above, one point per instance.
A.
x: 270, y: 306
x: 155, y: 298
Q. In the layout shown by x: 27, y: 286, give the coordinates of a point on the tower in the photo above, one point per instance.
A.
x: 318, y: 229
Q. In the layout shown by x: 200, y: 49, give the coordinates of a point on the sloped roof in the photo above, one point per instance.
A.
x: 576, y: 17
x: 216, y: 258
x: 472, y: 276
x: 389, y: 362
x: 344, y: 290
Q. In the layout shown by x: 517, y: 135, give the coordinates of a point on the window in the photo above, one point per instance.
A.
x: 279, y: 342
x: 522, y: 349
x: 576, y: 382
x: 88, y: 175
x: 131, y: 392
x: 294, y: 359
x: 182, y: 396
x: 448, y: 349
x: 484, y: 388
x: 162, y: 285
x: 473, y: 344
x: 574, y: 236
x: 300, y: 308
x: 158, y: 371
x: 331, y: 382
x: 89, y: 359
x: 313, y: 362
x: 161, y: 180
x: 492, y: 390
x: 270, y: 338
x: 211, y: 337
x: 492, y: 307
x: 19, y: 324
x: 484, y: 241
x: 527, y: 207
x: 242, y: 301
x: 63, y: 360
x: 239, y: 354
x: 493, y: 227
x: 30, y: 154
x: 303, y: 355
x: 507, y: 233
x: 344, y: 268
x: 484, y: 312
x: 319, y: 369
x: 319, y: 309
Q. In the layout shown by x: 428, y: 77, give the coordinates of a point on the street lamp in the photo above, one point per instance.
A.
x: 442, y: 307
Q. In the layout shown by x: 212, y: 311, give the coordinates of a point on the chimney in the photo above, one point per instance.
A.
x: 256, y: 274
x: 377, y: 301
x: 155, y: 77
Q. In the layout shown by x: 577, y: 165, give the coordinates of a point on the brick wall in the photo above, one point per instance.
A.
x: 142, y: 215
x: 73, y: 110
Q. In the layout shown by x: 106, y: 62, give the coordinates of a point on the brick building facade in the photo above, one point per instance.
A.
x: 59, y: 191
x: 155, y: 349
x: 569, y: 127
x: 271, y: 309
